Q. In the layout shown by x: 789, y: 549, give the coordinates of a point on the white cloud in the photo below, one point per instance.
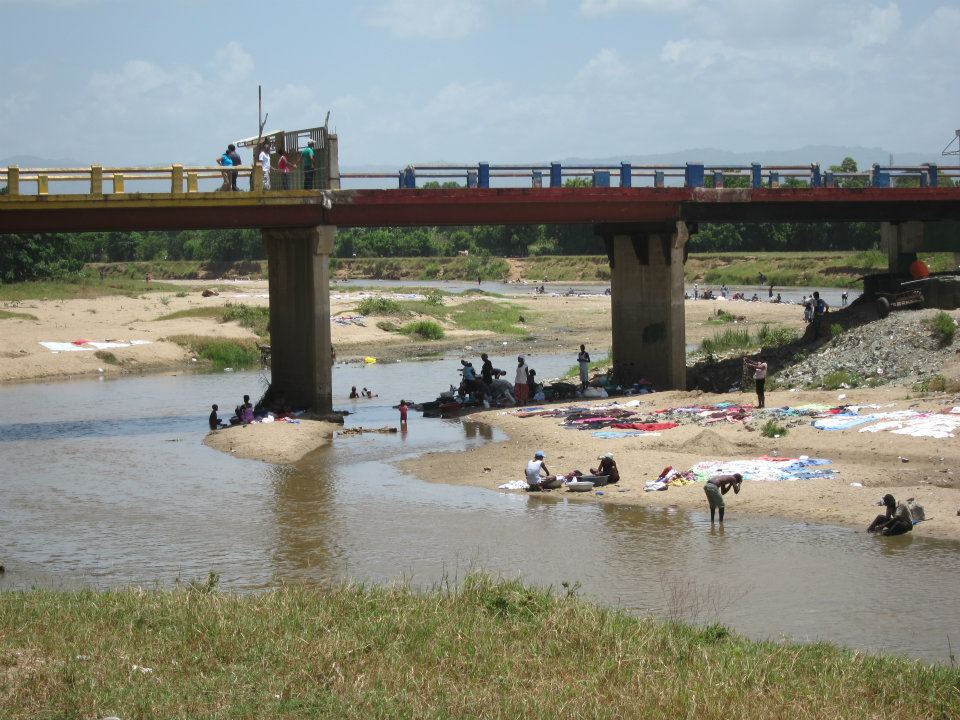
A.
x: 433, y: 19
x: 593, y: 8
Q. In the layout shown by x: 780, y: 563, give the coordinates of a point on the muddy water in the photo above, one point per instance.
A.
x: 106, y: 483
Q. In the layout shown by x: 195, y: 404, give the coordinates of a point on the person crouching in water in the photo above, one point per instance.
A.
x: 535, y: 482
x: 896, y: 519
x: 608, y: 468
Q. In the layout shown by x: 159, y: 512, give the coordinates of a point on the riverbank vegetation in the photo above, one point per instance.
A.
x: 220, y: 353
x: 502, y: 318
x: 484, y: 648
x: 79, y: 288
x: 253, y: 318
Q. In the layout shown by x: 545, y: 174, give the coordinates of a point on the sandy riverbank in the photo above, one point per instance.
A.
x: 281, y: 443
x: 554, y: 323
x: 931, y: 475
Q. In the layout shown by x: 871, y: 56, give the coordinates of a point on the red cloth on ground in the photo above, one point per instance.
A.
x: 646, y: 427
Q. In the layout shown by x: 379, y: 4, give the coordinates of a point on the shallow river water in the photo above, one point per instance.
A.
x: 106, y: 483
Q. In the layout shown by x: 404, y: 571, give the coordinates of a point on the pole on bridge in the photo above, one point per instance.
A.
x: 693, y: 175
x: 483, y: 175
x: 556, y: 175
x: 756, y: 175
x: 626, y: 175
x: 13, y: 180
x: 815, y: 180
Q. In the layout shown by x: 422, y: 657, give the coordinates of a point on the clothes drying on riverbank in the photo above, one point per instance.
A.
x: 91, y: 345
x: 764, y: 468
x: 939, y: 425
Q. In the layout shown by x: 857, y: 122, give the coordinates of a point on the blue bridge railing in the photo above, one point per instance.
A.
x: 555, y: 174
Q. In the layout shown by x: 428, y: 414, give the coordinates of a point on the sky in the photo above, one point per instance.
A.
x: 156, y: 82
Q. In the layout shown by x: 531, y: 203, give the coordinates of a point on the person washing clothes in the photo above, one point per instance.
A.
x: 535, y: 482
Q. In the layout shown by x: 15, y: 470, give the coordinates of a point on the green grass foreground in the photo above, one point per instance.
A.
x: 485, y: 649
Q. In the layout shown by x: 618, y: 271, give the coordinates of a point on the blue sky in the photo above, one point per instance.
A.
x: 130, y: 81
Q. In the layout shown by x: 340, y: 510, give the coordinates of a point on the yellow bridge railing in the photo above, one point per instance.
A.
x: 182, y: 179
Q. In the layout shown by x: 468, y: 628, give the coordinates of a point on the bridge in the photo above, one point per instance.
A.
x: 644, y: 213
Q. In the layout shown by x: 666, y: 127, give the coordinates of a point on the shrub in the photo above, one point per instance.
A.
x: 772, y: 429
x: 836, y: 330
x: 839, y: 379
x: 380, y: 306
x: 434, y: 297
x: 935, y: 383
x: 221, y: 352
x: 721, y: 317
x: 776, y: 336
x: 424, y: 329
x: 107, y: 357
x: 727, y: 340
x: 255, y: 319
x: 387, y: 326
x: 943, y: 328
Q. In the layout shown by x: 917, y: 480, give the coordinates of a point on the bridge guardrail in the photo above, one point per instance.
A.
x: 181, y: 179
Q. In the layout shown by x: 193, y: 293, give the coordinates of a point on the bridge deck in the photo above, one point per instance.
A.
x: 376, y: 208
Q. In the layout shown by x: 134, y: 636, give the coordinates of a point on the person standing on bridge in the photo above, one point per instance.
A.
x: 224, y: 161
x: 283, y: 166
x: 263, y: 158
x: 236, y: 162
x: 307, y: 157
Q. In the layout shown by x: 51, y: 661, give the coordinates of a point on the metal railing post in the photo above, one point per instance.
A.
x: 483, y: 175
x: 96, y: 180
x: 718, y: 178
x: 556, y: 175
x: 693, y: 175
x: 43, y: 185
x: 601, y: 178
x: 626, y: 175
x: 176, y: 179
x: 256, y: 178
x: 118, y: 184
x: 536, y: 179
x: 756, y: 175
x: 192, y: 182
x: 774, y: 179
x: 472, y: 178
x: 658, y: 178
x: 828, y: 179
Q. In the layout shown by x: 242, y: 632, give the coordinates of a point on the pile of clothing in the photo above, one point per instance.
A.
x: 916, y: 423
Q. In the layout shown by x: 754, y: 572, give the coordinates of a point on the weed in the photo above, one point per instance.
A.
x: 10, y: 315
x: 722, y: 317
x: 772, y: 429
x: 836, y: 330
x: 164, y: 300
x: 424, y: 329
x: 253, y: 318
x: 838, y: 379
x: 934, y: 383
x: 434, y: 297
x: 107, y: 357
x: 221, y: 352
x: 181, y: 294
x: 728, y: 340
x: 773, y: 337
x: 943, y: 327
x: 381, y: 306
x: 387, y: 326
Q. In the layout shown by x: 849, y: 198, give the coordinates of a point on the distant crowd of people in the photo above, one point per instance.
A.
x: 305, y: 158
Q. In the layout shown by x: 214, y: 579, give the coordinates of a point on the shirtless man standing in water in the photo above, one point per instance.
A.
x: 718, y: 486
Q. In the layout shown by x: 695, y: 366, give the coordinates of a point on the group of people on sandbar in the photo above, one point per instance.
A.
x: 539, y: 477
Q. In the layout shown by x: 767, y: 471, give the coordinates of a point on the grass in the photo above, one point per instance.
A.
x: 83, y: 288
x: 838, y: 379
x: 722, y: 317
x: 11, y: 315
x: 741, y: 339
x: 836, y: 330
x: 107, y: 357
x: 387, y: 326
x: 381, y: 306
x: 220, y: 352
x: 424, y: 329
x: 772, y: 429
x: 253, y: 318
x: 943, y: 328
x: 934, y: 383
x: 484, y: 649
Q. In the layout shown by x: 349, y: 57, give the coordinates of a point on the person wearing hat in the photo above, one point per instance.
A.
x: 896, y: 519
x: 608, y: 468
x: 718, y: 486
x: 307, y: 157
x: 535, y: 481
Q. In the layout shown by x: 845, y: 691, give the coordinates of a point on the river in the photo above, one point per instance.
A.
x: 107, y: 483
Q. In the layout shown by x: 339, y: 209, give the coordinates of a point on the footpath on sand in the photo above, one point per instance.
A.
x: 864, y: 466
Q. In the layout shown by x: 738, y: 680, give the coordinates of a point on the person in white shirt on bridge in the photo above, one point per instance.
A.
x: 263, y: 157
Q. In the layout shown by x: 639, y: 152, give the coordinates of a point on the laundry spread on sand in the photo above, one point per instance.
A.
x: 842, y: 421
x: 764, y: 468
x: 916, y: 423
x: 90, y: 345
x: 349, y: 320
x: 617, y: 434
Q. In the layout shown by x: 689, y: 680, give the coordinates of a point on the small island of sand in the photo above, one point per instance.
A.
x: 281, y: 443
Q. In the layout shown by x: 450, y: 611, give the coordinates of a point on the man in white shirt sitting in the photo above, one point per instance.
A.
x: 535, y: 482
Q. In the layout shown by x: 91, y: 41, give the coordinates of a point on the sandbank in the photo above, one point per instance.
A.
x: 871, y: 459
x: 280, y: 443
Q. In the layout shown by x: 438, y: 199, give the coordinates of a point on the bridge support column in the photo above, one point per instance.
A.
x: 301, y: 353
x: 901, y: 241
x: 649, y: 337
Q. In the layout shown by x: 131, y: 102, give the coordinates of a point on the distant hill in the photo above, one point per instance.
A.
x: 35, y: 161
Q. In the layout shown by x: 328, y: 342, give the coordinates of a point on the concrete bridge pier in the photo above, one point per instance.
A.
x: 901, y: 241
x: 646, y: 269
x: 301, y: 352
